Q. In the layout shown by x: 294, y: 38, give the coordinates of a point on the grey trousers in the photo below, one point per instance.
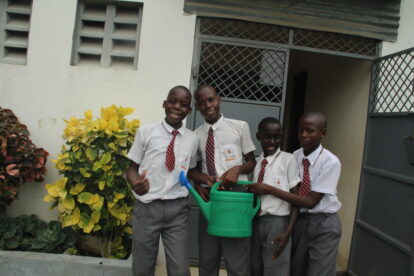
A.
x: 265, y: 229
x: 315, y: 244
x: 235, y: 251
x: 165, y: 218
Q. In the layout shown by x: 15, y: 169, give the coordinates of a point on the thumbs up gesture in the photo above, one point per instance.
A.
x: 141, y: 184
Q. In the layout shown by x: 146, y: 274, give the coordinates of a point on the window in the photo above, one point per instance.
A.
x: 14, y: 30
x: 107, y: 34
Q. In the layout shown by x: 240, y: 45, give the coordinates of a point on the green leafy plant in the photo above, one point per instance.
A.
x: 93, y: 197
x: 29, y: 233
x: 20, y: 160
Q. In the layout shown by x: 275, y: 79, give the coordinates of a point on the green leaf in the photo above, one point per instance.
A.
x: 10, y: 233
x: 11, y: 244
x: 91, y: 153
x: 106, y: 158
x: 123, y: 134
x: 96, y: 166
x: 38, y: 245
x: 84, y: 172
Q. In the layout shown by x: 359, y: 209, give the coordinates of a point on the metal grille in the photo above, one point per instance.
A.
x: 340, y: 43
x: 392, y: 88
x: 244, y: 73
x: 244, y: 30
x: 335, y: 42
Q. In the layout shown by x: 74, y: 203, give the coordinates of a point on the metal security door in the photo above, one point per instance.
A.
x: 383, y: 238
x: 249, y: 75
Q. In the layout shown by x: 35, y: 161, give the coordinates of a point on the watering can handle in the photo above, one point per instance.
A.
x: 256, y: 208
x: 184, y: 181
x: 240, y: 182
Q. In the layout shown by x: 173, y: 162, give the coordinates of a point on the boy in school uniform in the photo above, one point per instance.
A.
x: 225, y: 153
x: 159, y: 152
x: 318, y: 229
x: 273, y: 226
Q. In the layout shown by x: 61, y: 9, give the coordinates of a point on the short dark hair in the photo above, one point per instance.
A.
x: 201, y: 87
x: 268, y: 120
x: 181, y: 87
x: 318, y: 117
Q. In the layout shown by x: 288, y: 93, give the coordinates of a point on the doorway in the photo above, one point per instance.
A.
x: 246, y: 61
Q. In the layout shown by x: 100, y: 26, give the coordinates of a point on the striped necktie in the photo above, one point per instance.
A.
x: 304, y: 188
x: 211, y: 168
x: 262, y: 171
x: 170, y: 156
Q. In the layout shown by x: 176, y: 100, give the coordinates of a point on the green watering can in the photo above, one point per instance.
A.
x: 229, y: 214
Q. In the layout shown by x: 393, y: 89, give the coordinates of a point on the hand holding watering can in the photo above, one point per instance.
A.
x: 228, y: 213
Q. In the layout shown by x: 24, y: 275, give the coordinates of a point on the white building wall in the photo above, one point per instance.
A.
x: 405, y: 38
x: 48, y: 89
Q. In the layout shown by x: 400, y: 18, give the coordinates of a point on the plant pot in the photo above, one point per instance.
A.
x: 409, y: 148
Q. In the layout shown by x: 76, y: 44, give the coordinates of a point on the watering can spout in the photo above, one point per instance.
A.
x: 204, y: 206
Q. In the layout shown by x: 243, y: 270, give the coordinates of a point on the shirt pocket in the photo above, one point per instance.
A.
x: 183, y: 162
x: 230, y: 155
x: 280, y: 182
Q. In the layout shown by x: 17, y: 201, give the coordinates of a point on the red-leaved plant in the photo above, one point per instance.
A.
x: 20, y: 160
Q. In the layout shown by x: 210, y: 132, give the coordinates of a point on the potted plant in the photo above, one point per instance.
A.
x: 409, y: 147
x: 20, y: 160
x: 29, y: 233
x: 93, y: 196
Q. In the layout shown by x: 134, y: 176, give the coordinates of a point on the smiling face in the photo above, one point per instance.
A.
x: 208, y: 103
x: 270, y: 137
x: 177, y: 106
x: 312, y: 129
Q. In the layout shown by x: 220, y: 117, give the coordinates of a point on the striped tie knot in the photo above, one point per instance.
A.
x: 305, y: 162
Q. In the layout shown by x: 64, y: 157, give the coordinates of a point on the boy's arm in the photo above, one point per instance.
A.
x: 139, y: 183
x: 231, y: 176
x: 327, y: 182
x: 294, y: 199
x: 282, y: 239
x: 199, y: 177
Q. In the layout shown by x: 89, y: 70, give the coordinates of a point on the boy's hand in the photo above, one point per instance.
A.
x: 259, y: 188
x: 230, y: 178
x: 205, y: 195
x: 141, y: 184
x: 210, y: 180
x: 280, y: 241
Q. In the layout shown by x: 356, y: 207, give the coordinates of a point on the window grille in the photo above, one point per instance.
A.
x: 244, y: 73
x: 107, y: 34
x: 392, y: 87
x: 14, y: 30
x: 335, y: 42
x: 300, y: 39
x: 244, y: 30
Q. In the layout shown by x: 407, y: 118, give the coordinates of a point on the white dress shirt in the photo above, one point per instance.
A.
x: 324, y: 172
x: 149, y: 151
x: 232, y: 139
x: 281, y: 172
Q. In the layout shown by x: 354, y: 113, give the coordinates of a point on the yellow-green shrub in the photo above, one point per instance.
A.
x: 93, y: 196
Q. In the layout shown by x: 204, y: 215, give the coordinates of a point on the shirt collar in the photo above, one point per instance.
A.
x: 314, y: 155
x: 216, y: 125
x: 169, y: 128
x: 272, y: 157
